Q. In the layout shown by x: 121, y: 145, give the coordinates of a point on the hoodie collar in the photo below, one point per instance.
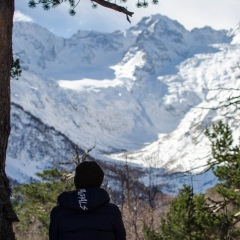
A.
x: 83, y: 200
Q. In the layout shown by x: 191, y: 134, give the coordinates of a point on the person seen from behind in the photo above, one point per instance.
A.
x: 86, y: 213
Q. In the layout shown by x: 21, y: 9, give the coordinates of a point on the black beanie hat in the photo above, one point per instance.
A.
x: 88, y: 174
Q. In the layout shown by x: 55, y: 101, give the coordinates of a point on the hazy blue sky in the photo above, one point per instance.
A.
x: 219, y: 14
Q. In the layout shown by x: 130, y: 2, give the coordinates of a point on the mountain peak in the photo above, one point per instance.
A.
x: 162, y: 21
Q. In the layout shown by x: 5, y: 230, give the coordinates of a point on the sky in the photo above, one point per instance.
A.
x: 219, y: 14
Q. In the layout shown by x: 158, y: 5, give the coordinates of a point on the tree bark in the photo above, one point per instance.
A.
x: 7, y: 215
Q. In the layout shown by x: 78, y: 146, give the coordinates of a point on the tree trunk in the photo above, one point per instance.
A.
x: 7, y: 215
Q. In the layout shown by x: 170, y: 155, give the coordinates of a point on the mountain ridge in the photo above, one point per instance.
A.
x: 127, y: 89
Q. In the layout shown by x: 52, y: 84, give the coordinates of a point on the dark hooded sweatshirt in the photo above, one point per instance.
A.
x: 86, y: 214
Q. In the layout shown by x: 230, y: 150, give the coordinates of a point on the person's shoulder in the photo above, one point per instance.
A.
x: 56, y: 210
x: 56, y: 207
x: 113, y: 207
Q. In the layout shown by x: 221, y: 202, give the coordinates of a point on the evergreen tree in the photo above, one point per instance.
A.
x: 187, y: 217
x: 149, y: 234
x: 225, y: 164
x: 33, y: 202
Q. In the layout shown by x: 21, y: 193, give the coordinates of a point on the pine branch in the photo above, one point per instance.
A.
x: 47, y: 4
x: 114, y: 7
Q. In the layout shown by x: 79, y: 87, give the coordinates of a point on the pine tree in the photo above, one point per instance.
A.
x: 225, y: 164
x: 187, y: 218
x: 33, y: 202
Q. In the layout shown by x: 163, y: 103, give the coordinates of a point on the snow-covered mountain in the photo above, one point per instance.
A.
x: 138, y: 94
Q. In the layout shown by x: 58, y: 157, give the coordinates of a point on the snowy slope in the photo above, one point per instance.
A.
x: 133, y: 91
x: 207, y: 75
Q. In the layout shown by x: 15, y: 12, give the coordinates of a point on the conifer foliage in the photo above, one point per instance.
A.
x: 33, y: 202
x: 114, y: 5
x: 187, y: 218
x: 225, y: 164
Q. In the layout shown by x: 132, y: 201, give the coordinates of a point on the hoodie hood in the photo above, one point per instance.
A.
x: 83, y: 200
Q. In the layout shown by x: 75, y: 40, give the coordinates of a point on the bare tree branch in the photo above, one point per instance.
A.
x: 84, y: 156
